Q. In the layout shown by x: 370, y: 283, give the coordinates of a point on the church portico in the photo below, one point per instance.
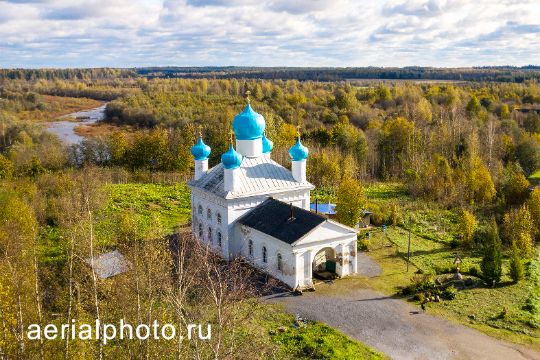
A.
x: 250, y: 206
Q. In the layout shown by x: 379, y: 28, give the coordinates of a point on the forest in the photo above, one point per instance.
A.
x: 413, y: 73
x: 414, y: 154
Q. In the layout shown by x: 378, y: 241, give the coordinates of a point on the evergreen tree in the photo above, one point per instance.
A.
x: 516, y: 270
x: 492, y: 260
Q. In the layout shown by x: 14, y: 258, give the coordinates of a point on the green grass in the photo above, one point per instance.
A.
x: 481, y: 307
x: 147, y: 205
x: 499, y: 311
x: 314, y: 341
x: 535, y: 177
x: 429, y: 255
x: 170, y: 203
x: 386, y: 191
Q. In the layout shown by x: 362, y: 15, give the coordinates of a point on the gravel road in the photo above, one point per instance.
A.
x: 393, y: 326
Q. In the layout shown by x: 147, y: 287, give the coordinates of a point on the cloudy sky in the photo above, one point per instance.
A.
x: 126, y: 33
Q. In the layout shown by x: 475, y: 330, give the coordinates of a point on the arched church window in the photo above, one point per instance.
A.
x: 219, y: 239
x: 209, y: 235
x: 200, y: 231
x: 265, y: 255
x: 199, y: 209
x: 250, y: 247
x: 219, y: 218
x: 279, y: 262
x: 208, y: 214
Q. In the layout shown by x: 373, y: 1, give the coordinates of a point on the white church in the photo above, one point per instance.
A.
x: 252, y: 207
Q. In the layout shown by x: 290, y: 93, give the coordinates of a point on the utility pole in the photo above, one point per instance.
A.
x: 409, y: 246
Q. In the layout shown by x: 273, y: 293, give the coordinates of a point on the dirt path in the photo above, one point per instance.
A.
x: 397, y: 328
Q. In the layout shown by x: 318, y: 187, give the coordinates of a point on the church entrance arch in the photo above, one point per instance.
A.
x: 324, y: 264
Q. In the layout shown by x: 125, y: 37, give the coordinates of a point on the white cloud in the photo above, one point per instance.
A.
x: 268, y: 33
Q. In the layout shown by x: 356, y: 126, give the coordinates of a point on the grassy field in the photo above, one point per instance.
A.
x: 148, y: 204
x: 56, y: 106
x: 498, y: 311
x: 314, y: 340
x: 504, y: 311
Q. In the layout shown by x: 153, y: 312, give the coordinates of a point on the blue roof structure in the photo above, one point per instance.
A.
x: 268, y: 145
x: 231, y: 159
x: 298, y: 152
x: 248, y: 125
x: 328, y: 209
x: 200, y: 150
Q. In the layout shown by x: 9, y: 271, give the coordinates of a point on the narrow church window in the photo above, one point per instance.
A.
x: 265, y: 257
x: 219, y: 218
x: 250, y: 247
x: 209, y: 235
x: 219, y: 238
x: 208, y: 214
x: 199, y: 209
x: 200, y: 231
x: 279, y: 263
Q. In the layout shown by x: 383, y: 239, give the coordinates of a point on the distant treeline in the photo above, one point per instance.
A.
x: 497, y: 73
x: 66, y: 74
x: 488, y: 73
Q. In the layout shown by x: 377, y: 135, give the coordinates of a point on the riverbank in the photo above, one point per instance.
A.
x: 53, y: 107
x: 65, y: 127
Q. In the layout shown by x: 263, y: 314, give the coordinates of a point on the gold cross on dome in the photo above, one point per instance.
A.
x: 248, y: 100
x: 200, y: 130
x: 231, y: 133
x: 298, y: 130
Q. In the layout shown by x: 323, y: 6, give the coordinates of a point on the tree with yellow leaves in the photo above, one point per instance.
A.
x: 467, y: 226
x: 350, y: 200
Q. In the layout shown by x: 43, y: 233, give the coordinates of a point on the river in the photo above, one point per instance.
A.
x: 65, y: 129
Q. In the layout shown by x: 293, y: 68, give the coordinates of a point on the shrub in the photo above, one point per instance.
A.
x: 420, y: 297
x: 449, y: 293
x: 419, y: 283
x: 473, y: 270
x: 439, y: 269
x: 363, y: 244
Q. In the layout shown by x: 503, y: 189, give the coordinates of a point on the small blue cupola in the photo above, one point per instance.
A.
x: 231, y: 159
x: 267, y: 144
x: 200, y: 150
x: 248, y: 125
x: 298, y: 152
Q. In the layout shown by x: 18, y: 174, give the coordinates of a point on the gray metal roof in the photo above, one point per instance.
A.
x: 109, y: 264
x: 257, y: 176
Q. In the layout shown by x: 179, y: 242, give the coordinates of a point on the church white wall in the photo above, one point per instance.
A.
x: 298, y: 169
x: 345, y: 253
x: 274, y: 248
x: 201, y: 167
x: 231, y: 182
x: 233, y: 243
x: 210, y: 222
x: 249, y: 148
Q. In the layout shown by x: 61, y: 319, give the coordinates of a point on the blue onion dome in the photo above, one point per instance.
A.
x: 298, y: 152
x: 231, y: 159
x: 268, y: 145
x: 248, y: 125
x: 200, y: 150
